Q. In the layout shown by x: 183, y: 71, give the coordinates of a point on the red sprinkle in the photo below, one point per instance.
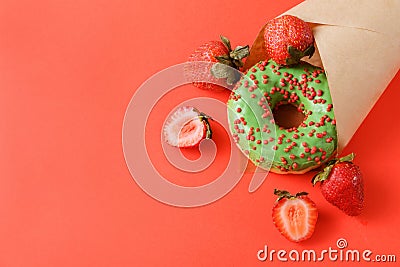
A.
x: 313, y: 150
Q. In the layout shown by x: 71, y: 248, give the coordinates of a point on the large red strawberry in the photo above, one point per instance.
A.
x: 186, y: 127
x: 294, y: 216
x: 342, y: 185
x: 288, y: 39
x: 207, y: 76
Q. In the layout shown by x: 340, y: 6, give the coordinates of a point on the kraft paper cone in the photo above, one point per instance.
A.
x: 358, y: 43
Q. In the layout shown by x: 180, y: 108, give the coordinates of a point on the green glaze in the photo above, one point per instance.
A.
x: 267, y: 85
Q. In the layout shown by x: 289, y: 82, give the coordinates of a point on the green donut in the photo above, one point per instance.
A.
x: 295, y: 150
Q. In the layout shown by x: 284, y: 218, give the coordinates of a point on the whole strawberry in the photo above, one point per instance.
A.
x: 342, y: 185
x: 294, y: 216
x: 288, y: 39
x: 207, y: 76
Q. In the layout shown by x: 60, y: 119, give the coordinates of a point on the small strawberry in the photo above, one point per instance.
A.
x: 208, y: 75
x: 342, y: 185
x: 288, y: 39
x: 186, y: 127
x: 294, y: 216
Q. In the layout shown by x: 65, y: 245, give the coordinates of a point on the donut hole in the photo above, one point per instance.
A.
x: 287, y: 115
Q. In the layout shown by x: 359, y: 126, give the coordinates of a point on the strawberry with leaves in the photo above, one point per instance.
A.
x: 224, y: 63
x: 287, y: 39
x: 342, y: 185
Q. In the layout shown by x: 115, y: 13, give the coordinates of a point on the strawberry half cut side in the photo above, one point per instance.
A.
x: 186, y: 127
x: 294, y: 216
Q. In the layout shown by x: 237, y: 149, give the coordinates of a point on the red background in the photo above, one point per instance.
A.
x: 67, y: 72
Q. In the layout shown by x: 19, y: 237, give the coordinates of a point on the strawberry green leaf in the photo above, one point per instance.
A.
x: 309, y: 51
x: 240, y: 52
x: 285, y: 194
x: 226, y: 60
x: 348, y: 158
x: 323, y: 175
x: 301, y: 194
x: 282, y: 194
x: 233, y: 58
x: 209, y: 132
x: 226, y: 42
x: 204, y: 117
x: 233, y: 77
x: 219, y: 70
x: 237, y: 62
x: 294, y: 53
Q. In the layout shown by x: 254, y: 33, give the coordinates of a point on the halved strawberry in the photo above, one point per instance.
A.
x: 294, y: 216
x: 186, y: 127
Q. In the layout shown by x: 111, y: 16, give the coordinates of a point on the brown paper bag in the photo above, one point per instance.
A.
x: 358, y: 45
